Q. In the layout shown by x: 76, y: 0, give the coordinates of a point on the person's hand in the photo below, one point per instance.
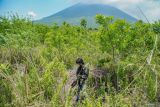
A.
x: 74, y: 83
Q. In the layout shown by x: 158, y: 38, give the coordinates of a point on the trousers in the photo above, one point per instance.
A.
x: 81, y: 83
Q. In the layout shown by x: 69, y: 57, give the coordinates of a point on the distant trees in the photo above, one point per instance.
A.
x: 103, y: 20
x: 156, y: 27
x: 83, y: 23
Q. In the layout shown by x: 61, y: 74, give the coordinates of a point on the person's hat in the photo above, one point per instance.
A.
x: 79, y: 61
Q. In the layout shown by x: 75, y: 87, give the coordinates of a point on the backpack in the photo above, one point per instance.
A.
x: 85, y: 72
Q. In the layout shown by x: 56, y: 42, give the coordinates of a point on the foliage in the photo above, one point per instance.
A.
x: 35, y: 61
x: 83, y: 23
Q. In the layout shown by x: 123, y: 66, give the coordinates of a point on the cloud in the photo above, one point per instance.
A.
x: 32, y: 14
x: 108, y: 1
x: 122, y: 1
x: 151, y: 8
x: 154, y: 13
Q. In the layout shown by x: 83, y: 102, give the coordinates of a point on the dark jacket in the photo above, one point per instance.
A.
x: 82, y: 72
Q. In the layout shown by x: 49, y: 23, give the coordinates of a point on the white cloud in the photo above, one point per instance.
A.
x: 154, y: 13
x: 150, y: 8
x: 32, y: 14
x: 122, y: 1
x: 108, y: 1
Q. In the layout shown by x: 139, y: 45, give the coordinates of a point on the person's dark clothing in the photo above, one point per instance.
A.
x: 82, y: 74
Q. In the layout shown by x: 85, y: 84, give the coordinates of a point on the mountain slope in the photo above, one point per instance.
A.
x: 76, y: 12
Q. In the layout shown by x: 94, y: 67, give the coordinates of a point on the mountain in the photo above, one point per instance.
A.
x: 75, y: 13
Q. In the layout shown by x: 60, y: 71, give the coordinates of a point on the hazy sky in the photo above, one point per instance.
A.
x: 43, y: 8
x: 35, y: 8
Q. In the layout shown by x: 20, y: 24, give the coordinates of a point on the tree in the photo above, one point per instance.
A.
x: 83, y: 23
x: 103, y: 20
x: 156, y: 27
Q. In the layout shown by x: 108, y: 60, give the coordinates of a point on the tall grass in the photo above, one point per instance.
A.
x: 36, y: 63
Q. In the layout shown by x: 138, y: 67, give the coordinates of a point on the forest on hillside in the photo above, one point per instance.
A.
x: 36, y: 59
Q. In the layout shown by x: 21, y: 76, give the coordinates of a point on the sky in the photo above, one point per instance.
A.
x: 38, y: 9
x: 35, y: 8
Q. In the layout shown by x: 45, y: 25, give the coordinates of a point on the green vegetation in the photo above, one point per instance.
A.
x: 35, y: 61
